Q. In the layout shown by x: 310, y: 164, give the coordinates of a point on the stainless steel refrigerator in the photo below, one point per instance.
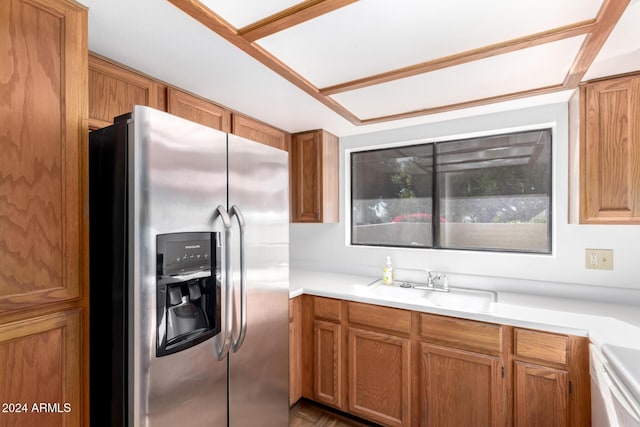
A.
x: 189, y: 276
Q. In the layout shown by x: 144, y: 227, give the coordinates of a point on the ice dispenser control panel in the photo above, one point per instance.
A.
x: 188, y: 256
x: 188, y: 290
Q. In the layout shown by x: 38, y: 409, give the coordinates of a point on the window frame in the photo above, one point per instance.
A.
x: 435, y: 225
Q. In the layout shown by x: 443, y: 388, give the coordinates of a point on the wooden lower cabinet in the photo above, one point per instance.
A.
x: 295, y: 351
x: 541, y: 396
x: 379, y: 370
x: 40, y: 371
x: 327, y: 363
x: 396, y: 367
x: 552, y: 386
x: 459, y: 388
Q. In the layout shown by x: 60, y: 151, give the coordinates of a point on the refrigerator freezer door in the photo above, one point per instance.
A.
x: 258, y: 375
x: 178, y: 177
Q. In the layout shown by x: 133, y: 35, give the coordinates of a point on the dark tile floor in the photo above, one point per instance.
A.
x: 308, y: 414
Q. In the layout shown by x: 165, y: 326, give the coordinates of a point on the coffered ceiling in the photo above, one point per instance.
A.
x: 379, y: 60
x: 360, y: 66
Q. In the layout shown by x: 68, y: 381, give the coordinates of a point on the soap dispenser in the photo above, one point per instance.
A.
x: 387, y: 273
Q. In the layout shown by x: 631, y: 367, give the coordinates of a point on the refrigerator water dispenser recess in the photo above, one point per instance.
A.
x: 188, y: 290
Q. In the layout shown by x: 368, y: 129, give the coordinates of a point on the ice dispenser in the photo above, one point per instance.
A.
x: 188, y: 290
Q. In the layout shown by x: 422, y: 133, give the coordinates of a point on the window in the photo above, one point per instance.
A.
x: 487, y: 193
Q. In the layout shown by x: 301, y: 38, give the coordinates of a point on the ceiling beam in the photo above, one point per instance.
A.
x: 508, y: 46
x: 209, y: 19
x: 607, y: 18
x: 287, y: 18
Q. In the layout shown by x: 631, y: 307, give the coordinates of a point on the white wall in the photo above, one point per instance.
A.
x: 322, y: 246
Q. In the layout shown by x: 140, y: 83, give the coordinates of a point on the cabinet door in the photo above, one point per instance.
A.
x: 379, y: 377
x: 610, y: 152
x: 254, y: 130
x: 114, y: 90
x: 541, y: 396
x: 198, y: 110
x: 314, y: 177
x: 295, y: 347
x: 460, y: 388
x: 41, y: 365
x: 327, y: 367
x: 42, y: 114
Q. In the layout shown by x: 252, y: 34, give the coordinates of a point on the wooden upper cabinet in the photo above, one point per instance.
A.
x: 610, y: 151
x: 314, y: 177
x: 199, y: 110
x: 114, y: 90
x: 43, y: 126
x: 254, y: 130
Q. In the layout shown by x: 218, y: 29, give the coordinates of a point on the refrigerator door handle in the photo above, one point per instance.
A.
x: 223, y: 349
x: 237, y: 342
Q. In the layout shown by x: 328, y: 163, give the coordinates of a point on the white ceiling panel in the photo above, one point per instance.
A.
x: 241, y: 13
x: 536, y: 67
x: 374, y: 36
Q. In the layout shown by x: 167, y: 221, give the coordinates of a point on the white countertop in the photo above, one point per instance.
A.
x: 605, y: 324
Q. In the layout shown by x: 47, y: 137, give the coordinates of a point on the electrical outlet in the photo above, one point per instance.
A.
x: 599, y: 259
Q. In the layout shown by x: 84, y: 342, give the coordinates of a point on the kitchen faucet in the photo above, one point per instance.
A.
x: 437, y: 281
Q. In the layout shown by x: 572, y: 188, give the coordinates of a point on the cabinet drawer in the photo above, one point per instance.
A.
x: 462, y: 333
x: 376, y: 317
x: 543, y: 346
x: 327, y: 308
